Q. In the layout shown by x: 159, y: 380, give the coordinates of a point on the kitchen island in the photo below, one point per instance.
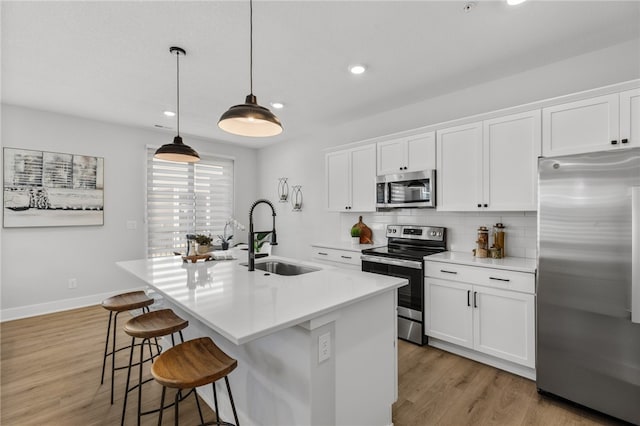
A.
x: 272, y: 325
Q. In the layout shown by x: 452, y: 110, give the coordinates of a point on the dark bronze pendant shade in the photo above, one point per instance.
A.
x: 177, y: 151
x: 249, y: 118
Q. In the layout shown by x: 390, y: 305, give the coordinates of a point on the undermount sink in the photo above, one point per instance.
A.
x: 283, y: 268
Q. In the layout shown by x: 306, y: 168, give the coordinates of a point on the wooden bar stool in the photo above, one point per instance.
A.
x: 191, y: 364
x: 120, y: 303
x: 148, y: 326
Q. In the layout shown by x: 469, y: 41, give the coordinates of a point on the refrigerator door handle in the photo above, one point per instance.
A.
x: 635, y: 254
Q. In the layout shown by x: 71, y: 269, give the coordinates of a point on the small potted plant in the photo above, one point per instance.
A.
x: 204, y: 243
x: 225, y: 241
x: 355, y: 235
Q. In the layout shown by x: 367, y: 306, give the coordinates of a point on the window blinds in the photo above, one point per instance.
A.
x: 186, y: 198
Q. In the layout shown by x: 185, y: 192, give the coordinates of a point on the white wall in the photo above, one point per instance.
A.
x: 303, y: 161
x: 37, y: 262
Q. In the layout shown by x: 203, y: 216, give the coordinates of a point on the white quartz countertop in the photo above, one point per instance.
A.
x: 243, y: 305
x: 348, y: 245
x: 519, y: 264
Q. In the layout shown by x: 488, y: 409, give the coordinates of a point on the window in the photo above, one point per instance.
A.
x: 186, y: 199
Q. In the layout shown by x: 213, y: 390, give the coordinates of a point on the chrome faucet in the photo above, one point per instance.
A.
x: 274, y: 241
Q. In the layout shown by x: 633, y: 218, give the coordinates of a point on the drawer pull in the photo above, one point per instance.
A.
x: 500, y: 279
x: 448, y: 272
x: 346, y: 257
x: 323, y: 254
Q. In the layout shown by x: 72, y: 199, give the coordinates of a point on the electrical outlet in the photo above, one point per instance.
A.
x: 132, y: 224
x: 73, y: 283
x: 324, y: 347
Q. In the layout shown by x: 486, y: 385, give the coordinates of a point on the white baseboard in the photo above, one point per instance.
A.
x: 509, y: 366
x: 19, y: 312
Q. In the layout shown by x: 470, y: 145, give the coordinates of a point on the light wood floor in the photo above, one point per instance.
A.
x: 50, y: 375
x: 439, y: 388
x: 51, y: 367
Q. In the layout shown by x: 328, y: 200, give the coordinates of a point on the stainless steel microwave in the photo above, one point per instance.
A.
x: 406, y: 190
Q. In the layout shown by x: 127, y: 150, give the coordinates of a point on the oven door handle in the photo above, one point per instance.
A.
x: 395, y: 262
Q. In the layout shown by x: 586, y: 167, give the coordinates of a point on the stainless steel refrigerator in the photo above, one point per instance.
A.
x: 588, y: 289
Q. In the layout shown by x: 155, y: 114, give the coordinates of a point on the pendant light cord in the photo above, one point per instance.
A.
x: 251, y: 46
x: 178, y: 90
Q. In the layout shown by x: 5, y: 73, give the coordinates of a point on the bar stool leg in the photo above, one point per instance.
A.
x: 164, y: 391
x: 233, y: 406
x: 113, y: 352
x: 140, y: 376
x: 106, y: 347
x: 215, y: 402
x: 195, y: 393
x: 126, y: 389
x: 176, y: 403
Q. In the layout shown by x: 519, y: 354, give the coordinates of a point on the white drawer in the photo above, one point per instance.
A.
x: 334, y: 255
x: 498, y: 278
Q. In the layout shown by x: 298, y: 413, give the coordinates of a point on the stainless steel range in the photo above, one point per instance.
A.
x: 403, y: 257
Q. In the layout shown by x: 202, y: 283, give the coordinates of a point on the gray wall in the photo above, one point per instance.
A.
x: 37, y: 262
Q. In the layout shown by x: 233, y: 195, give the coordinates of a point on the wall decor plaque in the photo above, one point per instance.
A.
x: 52, y: 189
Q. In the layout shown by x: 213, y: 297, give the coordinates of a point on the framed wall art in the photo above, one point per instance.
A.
x: 52, y: 189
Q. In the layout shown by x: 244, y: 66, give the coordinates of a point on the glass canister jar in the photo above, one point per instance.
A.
x: 482, y: 249
x: 498, y: 238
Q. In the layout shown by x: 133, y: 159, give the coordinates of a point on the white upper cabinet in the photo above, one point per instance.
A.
x: 459, y: 167
x: 490, y: 165
x: 511, y: 147
x: 338, y: 176
x: 630, y: 118
x: 351, y: 179
x: 408, y: 154
x: 595, y: 124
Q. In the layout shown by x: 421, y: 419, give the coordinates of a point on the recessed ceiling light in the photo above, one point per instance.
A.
x: 277, y: 105
x: 357, y: 69
x: 469, y: 6
x: 515, y: 2
x: 169, y: 113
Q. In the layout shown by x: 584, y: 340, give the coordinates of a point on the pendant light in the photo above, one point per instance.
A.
x: 177, y: 151
x: 250, y: 119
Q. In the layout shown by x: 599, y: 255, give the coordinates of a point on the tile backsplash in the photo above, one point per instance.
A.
x: 520, y: 227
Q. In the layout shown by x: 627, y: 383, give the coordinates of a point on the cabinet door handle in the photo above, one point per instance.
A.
x: 323, y: 254
x: 479, y: 205
x: 475, y: 299
x: 624, y: 140
x: 345, y: 257
x: 468, y: 297
x: 485, y: 205
x: 448, y: 272
x: 500, y: 279
x: 614, y: 142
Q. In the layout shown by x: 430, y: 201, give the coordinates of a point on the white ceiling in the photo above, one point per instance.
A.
x: 110, y: 60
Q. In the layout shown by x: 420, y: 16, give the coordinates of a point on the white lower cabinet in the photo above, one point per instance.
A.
x: 447, y: 315
x: 491, y: 311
